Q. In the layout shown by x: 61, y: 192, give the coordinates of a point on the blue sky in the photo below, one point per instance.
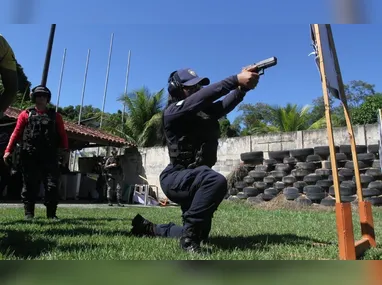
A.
x: 213, y: 50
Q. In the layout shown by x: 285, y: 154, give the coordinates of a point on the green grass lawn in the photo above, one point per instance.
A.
x: 240, y: 232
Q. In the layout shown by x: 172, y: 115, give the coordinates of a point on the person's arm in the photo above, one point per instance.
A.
x: 204, y: 97
x: 223, y: 107
x: 61, y: 131
x: 18, y: 131
x: 109, y: 163
x: 8, y: 72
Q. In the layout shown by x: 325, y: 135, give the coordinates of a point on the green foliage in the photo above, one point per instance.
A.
x: 367, y: 113
x: 143, y: 123
x: 226, y: 129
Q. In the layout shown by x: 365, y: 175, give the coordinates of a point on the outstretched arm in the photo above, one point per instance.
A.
x: 204, y: 97
x: 223, y: 107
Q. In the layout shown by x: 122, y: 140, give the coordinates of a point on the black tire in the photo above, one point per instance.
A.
x: 310, y: 166
x: 311, y: 179
x: 344, y: 191
x: 312, y: 189
x: 240, y: 185
x: 371, y: 192
x: 241, y: 195
x: 249, y: 180
x: 348, y: 199
x: 278, y: 175
x: 289, y: 180
x: 340, y: 157
x: 376, y: 164
x: 350, y: 184
x: 290, y: 160
x: 300, y: 173
x: 260, y: 185
x: 346, y: 172
x: 375, y: 184
x: 252, y: 156
x: 269, y: 162
x: 251, y: 191
x: 300, y: 185
x: 267, y: 197
x: 366, y: 157
x: 291, y: 190
x: 279, y: 185
x: 283, y: 167
x: 303, y: 200
x: 269, y: 179
x: 313, y: 158
x: 340, y: 177
x: 271, y: 191
x: 375, y: 201
x: 316, y: 196
x: 375, y: 173
x: 350, y: 165
x: 365, y: 179
x: 324, y: 173
x: 324, y: 184
x: 292, y: 197
x: 257, y: 175
x: 302, y: 152
x: 279, y: 155
x: 261, y: 167
x: 324, y: 151
x: 328, y: 202
x: 373, y: 148
x: 326, y: 164
x: 347, y: 149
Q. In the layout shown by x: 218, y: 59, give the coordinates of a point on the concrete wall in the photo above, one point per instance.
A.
x: 155, y: 159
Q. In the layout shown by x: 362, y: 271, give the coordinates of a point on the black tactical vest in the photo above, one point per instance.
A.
x: 40, y: 135
x: 199, y: 144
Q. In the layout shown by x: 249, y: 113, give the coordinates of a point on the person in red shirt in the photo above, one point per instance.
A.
x: 42, y: 134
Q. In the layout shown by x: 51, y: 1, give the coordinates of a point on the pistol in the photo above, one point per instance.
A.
x: 264, y: 64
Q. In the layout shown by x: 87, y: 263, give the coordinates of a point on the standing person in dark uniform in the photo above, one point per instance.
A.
x: 192, y: 130
x: 42, y: 133
x: 114, y: 178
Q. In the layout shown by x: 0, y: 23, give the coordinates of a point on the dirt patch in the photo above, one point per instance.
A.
x: 279, y: 202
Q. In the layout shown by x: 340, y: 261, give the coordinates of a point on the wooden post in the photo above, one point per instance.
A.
x: 343, y: 210
x: 364, y: 207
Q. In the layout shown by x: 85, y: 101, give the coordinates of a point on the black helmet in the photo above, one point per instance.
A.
x: 40, y: 89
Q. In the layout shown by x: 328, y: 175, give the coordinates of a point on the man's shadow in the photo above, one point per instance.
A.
x: 21, y: 244
x: 261, y: 241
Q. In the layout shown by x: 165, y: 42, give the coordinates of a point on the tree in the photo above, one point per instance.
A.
x: 357, y: 91
x: 143, y: 123
x: 22, y: 98
x: 226, y: 129
x: 290, y: 118
x: 367, y: 112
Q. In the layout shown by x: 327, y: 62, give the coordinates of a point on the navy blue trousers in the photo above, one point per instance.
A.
x: 198, y: 191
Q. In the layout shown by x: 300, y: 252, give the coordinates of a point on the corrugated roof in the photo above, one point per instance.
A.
x: 74, y: 128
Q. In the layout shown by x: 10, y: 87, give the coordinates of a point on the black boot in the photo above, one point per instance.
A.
x: 142, y: 227
x: 51, y: 212
x: 190, y: 240
x: 120, y: 203
x: 110, y: 203
x: 29, y: 211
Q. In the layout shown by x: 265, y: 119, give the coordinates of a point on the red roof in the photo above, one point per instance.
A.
x: 74, y: 128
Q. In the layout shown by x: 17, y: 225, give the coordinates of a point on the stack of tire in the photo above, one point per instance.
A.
x: 305, y: 175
